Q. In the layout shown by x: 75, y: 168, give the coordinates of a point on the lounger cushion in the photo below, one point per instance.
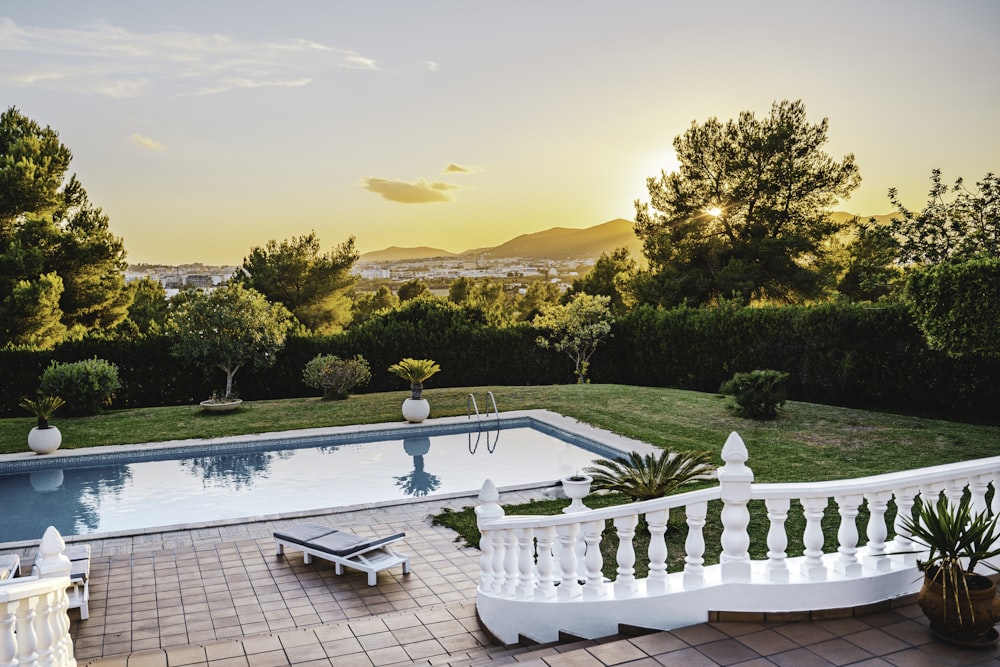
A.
x: 345, y: 544
x: 303, y: 533
x: 9, y: 566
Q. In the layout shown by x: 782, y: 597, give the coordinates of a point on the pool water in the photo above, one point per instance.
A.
x: 119, y: 495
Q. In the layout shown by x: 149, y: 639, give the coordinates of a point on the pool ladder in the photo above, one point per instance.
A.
x: 471, y: 406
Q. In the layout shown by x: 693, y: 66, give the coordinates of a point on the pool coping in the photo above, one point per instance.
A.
x: 545, y: 418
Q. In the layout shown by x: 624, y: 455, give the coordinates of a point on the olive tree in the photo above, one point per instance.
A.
x: 228, y: 328
x: 576, y: 328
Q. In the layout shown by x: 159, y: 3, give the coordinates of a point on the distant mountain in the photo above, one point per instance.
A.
x: 397, y: 254
x: 566, y: 243
x: 556, y: 243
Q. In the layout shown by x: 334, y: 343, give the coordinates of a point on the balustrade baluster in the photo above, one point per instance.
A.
x: 656, y: 580
x: 45, y: 633
x: 27, y: 643
x: 877, y: 531
x: 510, y: 568
x: 570, y: 587
x: 978, y: 484
x: 593, y: 560
x: 8, y: 641
x: 777, y: 538
x: 525, y: 563
x: 499, y: 556
x: 954, y: 489
x: 694, y: 545
x: 901, y: 542
x: 847, y: 536
x: 995, y: 503
x: 546, y: 588
x: 812, y: 538
x: 625, y: 584
x: 486, y: 574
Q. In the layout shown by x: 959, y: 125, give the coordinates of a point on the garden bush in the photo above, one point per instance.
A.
x: 758, y: 394
x: 336, y: 376
x: 86, y: 385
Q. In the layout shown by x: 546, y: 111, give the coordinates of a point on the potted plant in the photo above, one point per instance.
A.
x: 44, y: 438
x: 416, y: 372
x: 962, y: 606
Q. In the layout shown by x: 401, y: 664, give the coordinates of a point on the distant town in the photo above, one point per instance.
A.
x: 438, y: 272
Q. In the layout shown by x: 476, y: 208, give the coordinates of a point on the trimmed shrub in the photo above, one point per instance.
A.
x: 757, y: 394
x: 336, y: 376
x: 86, y: 385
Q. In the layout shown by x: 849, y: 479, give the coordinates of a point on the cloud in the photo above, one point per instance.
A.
x: 454, y: 168
x: 100, y: 58
x: 419, y: 192
x: 146, y: 142
x: 431, y: 65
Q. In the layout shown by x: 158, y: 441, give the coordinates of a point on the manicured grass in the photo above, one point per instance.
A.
x: 807, y: 442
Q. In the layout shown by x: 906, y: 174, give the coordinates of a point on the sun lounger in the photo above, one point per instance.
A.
x: 79, y: 578
x: 9, y: 566
x: 343, y: 549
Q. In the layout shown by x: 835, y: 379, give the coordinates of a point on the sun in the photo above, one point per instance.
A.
x: 715, y: 211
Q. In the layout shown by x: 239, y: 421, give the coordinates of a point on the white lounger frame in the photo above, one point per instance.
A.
x: 371, y: 558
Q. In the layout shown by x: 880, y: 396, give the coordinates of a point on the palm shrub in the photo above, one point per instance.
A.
x: 416, y: 372
x: 336, y: 376
x: 645, y: 477
x: 758, y: 394
x: 43, y: 408
x: 86, y: 386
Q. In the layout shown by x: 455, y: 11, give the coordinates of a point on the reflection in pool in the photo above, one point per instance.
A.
x: 104, y: 496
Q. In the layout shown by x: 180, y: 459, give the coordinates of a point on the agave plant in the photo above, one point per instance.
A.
x: 416, y: 371
x: 650, y: 476
x: 42, y: 408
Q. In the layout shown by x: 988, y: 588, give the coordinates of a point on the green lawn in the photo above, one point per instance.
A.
x: 807, y: 442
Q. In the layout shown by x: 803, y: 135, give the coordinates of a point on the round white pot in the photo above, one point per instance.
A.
x: 576, y: 490
x: 44, y: 440
x: 415, y: 410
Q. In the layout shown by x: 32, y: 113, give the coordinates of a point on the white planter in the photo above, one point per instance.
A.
x: 415, y: 410
x: 44, y: 440
x: 215, y: 406
x: 576, y: 490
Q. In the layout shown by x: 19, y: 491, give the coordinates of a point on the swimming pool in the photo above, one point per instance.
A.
x: 238, y: 478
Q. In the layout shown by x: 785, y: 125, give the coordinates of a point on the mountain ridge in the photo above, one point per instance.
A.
x: 553, y: 243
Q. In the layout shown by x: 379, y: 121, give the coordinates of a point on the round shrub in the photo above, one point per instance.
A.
x: 86, y: 385
x: 336, y: 376
x: 758, y: 394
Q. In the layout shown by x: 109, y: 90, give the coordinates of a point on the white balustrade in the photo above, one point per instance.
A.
x: 556, y: 560
x: 34, y: 626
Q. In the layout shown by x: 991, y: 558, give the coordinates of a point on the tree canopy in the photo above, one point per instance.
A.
x: 313, y: 285
x: 576, y: 328
x: 49, y: 229
x: 746, y: 215
x: 227, y: 328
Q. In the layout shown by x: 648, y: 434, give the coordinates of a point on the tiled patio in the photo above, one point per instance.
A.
x: 220, y: 597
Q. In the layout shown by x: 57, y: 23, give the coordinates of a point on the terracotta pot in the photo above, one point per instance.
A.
x: 965, y: 618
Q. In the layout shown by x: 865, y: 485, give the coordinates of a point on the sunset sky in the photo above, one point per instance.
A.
x: 206, y: 128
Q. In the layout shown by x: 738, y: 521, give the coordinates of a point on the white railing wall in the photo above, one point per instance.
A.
x: 34, y: 625
x: 543, y: 574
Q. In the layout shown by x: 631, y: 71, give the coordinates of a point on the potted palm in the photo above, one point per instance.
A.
x: 962, y: 606
x: 416, y: 372
x: 43, y: 438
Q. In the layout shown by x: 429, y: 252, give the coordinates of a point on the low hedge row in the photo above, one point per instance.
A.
x: 836, y: 354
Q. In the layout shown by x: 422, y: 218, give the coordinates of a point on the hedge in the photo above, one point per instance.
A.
x: 837, y: 354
